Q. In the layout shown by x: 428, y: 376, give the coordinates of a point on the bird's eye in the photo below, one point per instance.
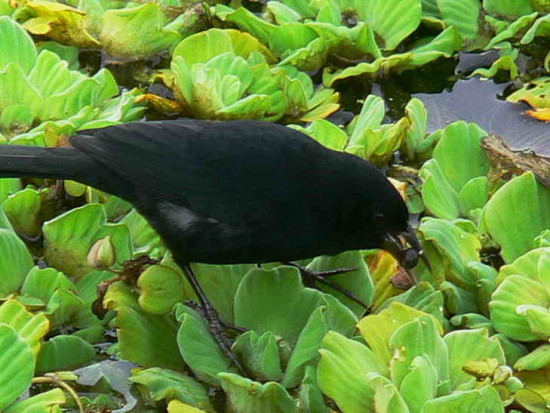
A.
x: 380, y: 221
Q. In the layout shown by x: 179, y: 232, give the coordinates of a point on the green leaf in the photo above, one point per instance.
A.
x: 535, y: 396
x: 282, y: 13
x: 8, y: 186
x: 198, y: 348
x: 510, y: 306
x: 419, y: 337
x: 69, y: 237
x: 17, y: 89
x: 541, y: 28
x: 442, y: 46
x: 310, y: 396
x: 17, y: 46
x: 220, y: 284
x: 422, y: 297
x: 167, y: 384
x: 386, y: 396
x: 470, y: 345
x: 29, y: 327
x: 514, y: 232
x: 415, y: 141
x: 306, y: 349
x: 378, y: 329
x: 17, y: 364
x: 4, y: 221
x: 484, y: 400
x: 260, y: 355
x: 160, y: 288
x: 136, y: 32
x: 458, y: 300
x: 326, y: 133
x: 63, y: 352
x: 473, y: 195
x: 247, y: 21
x: 462, y: 14
x: 508, y: 8
x: 43, y: 282
x: 420, y: 384
x: 276, y: 301
x: 392, y: 20
x: 67, y: 53
x: 145, y: 339
x: 371, y: 117
x: 459, y: 154
x: 204, y: 46
x: 456, y: 246
x: 246, y: 396
x: 299, y: 46
x: 16, y: 119
x: 22, y: 209
x: 535, y: 360
x: 50, y: 74
x: 510, y: 32
x: 15, y: 263
x: 343, y: 371
x: 43, y: 402
x: 438, y: 195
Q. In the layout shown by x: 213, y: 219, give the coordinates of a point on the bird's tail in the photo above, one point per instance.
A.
x: 37, y: 162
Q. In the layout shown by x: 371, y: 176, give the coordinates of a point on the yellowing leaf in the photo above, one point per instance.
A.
x: 60, y: 22
x: 175, y: 406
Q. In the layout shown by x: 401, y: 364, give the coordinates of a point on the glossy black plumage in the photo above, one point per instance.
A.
x: 231, y: 192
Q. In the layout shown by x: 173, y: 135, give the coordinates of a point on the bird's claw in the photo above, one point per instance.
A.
x: 310, y: 277
x: 217, y: 327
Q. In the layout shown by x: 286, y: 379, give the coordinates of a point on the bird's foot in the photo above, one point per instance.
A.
x: 310, y: 277
x: 217, y: 327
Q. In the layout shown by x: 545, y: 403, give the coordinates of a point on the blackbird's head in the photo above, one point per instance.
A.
x: 390, y: 222
x: 385, y: 219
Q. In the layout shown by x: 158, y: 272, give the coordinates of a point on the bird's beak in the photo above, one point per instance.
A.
x: 406, y: 255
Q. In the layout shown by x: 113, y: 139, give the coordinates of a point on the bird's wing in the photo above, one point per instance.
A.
x: 234, y: 172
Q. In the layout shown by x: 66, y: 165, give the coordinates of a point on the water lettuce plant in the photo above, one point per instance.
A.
x: 123, y: 30
x: 226, y: 74
x: 94, y: 313
x: 42, y: 98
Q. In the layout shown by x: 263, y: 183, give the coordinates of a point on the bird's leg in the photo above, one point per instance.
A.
x: 311, y: 277
x: 215, y: 324
x: 198, y: 308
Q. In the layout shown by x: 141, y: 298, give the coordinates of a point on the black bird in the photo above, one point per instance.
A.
x: 232, y: 192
